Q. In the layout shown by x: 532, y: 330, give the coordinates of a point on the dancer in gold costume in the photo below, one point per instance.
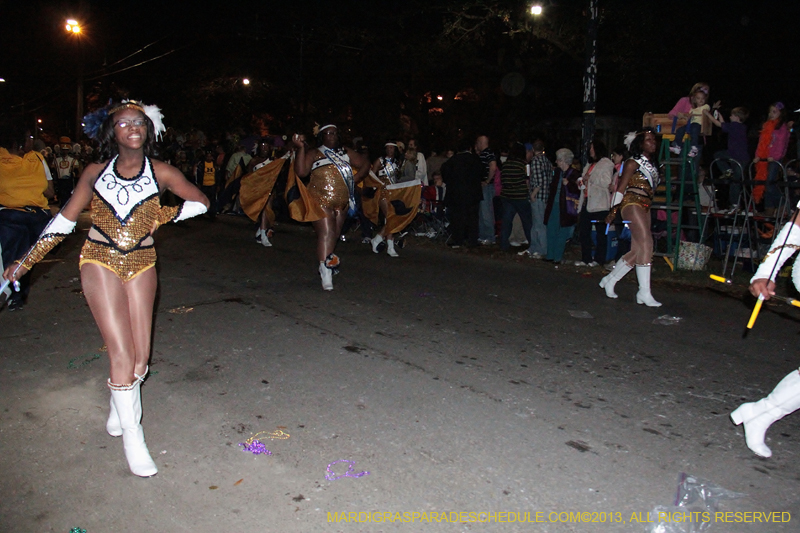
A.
x: 334, y: 172
x: 116, y: 264
x: 633, y: 198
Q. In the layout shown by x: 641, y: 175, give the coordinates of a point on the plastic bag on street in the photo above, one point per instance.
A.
x: 696, y: 501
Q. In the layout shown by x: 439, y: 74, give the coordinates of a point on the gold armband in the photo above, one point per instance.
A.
x: 41, y: 248
x: 55, y: 232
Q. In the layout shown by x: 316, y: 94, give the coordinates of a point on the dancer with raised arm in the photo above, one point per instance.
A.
x: 330, y: 193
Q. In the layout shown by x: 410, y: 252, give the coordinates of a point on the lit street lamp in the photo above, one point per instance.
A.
x: 73, y: 27
x: 589, y: 78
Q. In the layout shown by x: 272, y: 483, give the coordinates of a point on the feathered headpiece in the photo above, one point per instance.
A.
x: 629, y: 139
x: 93, y: 121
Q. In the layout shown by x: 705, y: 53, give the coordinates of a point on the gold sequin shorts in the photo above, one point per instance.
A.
x: 125, y: 265
x: 635, y: 199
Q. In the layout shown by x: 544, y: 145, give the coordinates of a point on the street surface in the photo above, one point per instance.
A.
x: 461, y: 380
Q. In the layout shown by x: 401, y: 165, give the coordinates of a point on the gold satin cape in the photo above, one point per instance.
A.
x: 402, y: 200
x: 256, y: 188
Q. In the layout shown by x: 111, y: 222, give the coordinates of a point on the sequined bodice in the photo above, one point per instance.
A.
x: 638, y: 181
x: 124, y: 210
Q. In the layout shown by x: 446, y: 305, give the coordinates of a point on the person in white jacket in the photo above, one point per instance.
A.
x: 595, y: 186
x: 784, y: 399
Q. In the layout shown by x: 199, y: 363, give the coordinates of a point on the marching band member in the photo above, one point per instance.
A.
x: 758, y: 416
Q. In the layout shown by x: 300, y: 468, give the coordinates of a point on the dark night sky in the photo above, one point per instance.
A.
x: 377, y: 56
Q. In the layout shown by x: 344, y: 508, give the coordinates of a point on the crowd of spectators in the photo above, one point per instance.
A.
x: 516, y: 194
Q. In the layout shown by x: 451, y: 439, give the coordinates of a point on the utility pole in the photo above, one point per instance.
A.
x: 590, y: 82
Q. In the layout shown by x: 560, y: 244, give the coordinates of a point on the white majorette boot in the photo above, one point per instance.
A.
x: 265, y: 238
x: 376, y: 240
x: 113, y: 426
x: 759, y: 416
x: 608, y: 282
x: 390, y: 248
x: 128, y: 404
x: 644, y: 296
x: 327, y: 276
x: 259, y: 233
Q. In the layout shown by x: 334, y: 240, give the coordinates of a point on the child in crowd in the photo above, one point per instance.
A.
x: 772, y: 144
x: 736, y: 153
x: 684, y: 105
x: 699, y: 106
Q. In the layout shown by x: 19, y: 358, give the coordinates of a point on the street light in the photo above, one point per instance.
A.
x: 536, y: 9
x: 73, y: 27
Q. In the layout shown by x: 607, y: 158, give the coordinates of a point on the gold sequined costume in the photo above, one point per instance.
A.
x: 639, y: 194
x: 640, y: 183
x: 124, y: 212
x: 326, y: 185
x: 639, y: 190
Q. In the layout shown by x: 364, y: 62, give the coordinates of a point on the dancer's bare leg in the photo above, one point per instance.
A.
x: 124, y: 316
x: 328, y: 230
x: 641, y: 252
x: 141, y: 292
x: 265, y: 225
x: 384, y: 208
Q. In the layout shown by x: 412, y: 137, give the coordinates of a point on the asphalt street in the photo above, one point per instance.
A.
x: 461, y: 380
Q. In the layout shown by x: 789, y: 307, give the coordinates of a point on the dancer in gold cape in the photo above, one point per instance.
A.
x: 334, y: 172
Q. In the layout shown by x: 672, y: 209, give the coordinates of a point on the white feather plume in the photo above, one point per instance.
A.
x: 629, y: 139
x: 154, y: 113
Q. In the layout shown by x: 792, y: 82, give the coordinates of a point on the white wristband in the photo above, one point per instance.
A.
x: 778, y: 254
x: 60, y: 225
x: 190, y: 209
x: 618, y: 196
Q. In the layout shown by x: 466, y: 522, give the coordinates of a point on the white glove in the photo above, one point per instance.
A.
x: 617, y: 199
x: 190, y: 209
x: 60, y: 225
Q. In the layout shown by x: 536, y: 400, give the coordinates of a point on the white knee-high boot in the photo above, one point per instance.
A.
x: 610, y: 280
x: 644, y: 296
x: 327, y: 276
x: 759, y: 416
x: 390, y: 248
x: 128, y: 403
x: 113, y: 426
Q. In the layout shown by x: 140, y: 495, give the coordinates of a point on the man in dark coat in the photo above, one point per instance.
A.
x: 462, y: 174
